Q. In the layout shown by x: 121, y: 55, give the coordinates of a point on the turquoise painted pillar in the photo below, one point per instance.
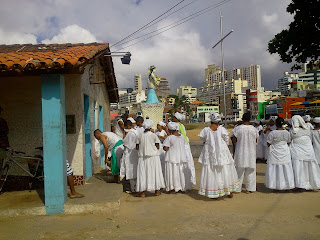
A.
x: 54, y: 142
x: 87, y: 134
x: 101, y: 128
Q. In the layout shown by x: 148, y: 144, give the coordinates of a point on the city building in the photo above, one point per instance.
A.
x: 163, y: 89
x: 137, y: 82
x: 188, y: 91
x: 283, y: 107
x: 63, y: 92
x: 257, y: 99
x: 207, y: 109
x: 283, y: 83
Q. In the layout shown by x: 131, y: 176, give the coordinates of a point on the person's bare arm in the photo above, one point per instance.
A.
x: 103, y: 139
x: 167, y: 130
x: 165, y: 148
x: 157, y: 145
x: 137, y: 146
x: 234, y: 139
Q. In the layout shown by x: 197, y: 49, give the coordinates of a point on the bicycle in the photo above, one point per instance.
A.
x: 35, y: 166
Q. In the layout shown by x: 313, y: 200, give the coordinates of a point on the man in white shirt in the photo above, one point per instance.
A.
x: 246, y: 137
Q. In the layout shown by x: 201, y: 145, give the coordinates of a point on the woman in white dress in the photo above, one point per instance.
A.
x: 267, y: 130
x: 279, y: 174
x: 218, y: 175
x: 178, y: 118
x: 316, y: 138
x: 305, y: 167
x: 162, y: 134
x: 177, y: 172
x: 149, y: 171
x: 260, y: 146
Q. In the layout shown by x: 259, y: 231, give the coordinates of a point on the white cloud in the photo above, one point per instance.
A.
x: 181, y: 63
x: 16, y: 38
x: 72, y: 34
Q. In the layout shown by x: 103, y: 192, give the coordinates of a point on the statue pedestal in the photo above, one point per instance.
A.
x: 154, y: 111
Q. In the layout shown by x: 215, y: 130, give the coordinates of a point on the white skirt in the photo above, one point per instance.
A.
x: 306, y: 174
x: 149, y: 174
x: 177, y: 176
x: 260, y: 150
x: 279, y: 176
x: 218, y: 181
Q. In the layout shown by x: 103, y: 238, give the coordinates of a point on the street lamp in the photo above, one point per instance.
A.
x: 222, y: 58
x: 126, y: 56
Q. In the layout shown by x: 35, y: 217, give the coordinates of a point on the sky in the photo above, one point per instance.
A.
x: 180, y: 54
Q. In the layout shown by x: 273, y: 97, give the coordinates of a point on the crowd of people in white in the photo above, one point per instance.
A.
x: 161, y: 159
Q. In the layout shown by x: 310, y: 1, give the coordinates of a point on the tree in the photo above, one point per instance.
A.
x: 299, y: 43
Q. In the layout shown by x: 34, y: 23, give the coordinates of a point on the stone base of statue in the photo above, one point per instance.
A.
x: 154, y: 111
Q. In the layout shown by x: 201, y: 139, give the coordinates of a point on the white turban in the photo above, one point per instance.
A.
x: 147, y: 124
x: 215, y: 117
x: 179, y: 116
x: 316, y: 120
x: 162, y: 124
x: 173, y: 126
x: 257, y: 121
x: 131, y: 120
x: 307, y: 118
x: 273, y: 118
x: 298, y: 122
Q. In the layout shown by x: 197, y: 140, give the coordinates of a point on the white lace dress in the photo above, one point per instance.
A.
x: 218, y: 175
x: 279, y: 174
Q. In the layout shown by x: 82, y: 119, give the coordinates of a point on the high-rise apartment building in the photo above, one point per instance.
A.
x: 163, y: 89
x: 188, y: 91
x: 137, y: 82
x: 284, y: 83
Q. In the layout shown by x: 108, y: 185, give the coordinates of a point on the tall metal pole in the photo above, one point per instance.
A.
x: 222, y: 76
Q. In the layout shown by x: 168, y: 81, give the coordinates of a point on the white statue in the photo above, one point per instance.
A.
x: 153, y: 81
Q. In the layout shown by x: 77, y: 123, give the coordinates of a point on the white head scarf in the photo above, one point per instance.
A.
x: 298, y: 122
x: 131, y: 120
x: 173, y: 126
x: 307, y: 118
x: 147, y: 124
x: 162, y: 124
x: 257, y: 121
x: 179, y: 116
x: 316, y: 120
x: 215, y: 117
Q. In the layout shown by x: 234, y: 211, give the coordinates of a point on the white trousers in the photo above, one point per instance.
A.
x: 133, y: 183
x: 249, y: 175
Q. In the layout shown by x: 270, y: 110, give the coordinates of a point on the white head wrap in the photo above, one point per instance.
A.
x: 215, y: 117
x: 131, y: 120
x: 162, y: 124
x: 298, y: 122
x: 179, y: 116
x: 173, y: 126
x: 274, y: 118
x: 307, y: 118
x: 147, y: 124
x: 316, y: 120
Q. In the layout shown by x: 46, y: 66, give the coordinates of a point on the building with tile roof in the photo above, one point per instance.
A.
x: 55, y: 96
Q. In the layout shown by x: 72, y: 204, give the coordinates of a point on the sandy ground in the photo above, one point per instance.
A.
x: 260, y: 215
x: 193, y: 134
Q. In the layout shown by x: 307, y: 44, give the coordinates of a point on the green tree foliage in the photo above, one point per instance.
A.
x: 299, y: 43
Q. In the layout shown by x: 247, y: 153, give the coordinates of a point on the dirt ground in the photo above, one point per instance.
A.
x: 260, y: 215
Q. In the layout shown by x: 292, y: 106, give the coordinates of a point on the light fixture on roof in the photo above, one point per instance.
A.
x: 126, y: 56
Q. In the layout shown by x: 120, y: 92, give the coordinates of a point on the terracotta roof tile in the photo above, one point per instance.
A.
x: 49, y: 56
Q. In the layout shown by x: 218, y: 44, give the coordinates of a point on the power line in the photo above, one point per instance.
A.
x: 175, y: 24
x: 149, y: 23
x: 121, y: 42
